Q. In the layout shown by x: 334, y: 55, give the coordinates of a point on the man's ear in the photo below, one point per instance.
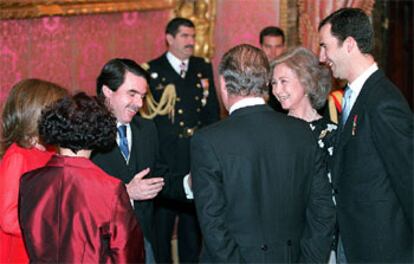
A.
x: 169, y: 38
x: 223, y: 91
x: 106, y: 91
x: 350, y: 44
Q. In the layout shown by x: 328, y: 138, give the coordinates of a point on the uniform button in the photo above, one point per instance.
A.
x: 178, y: 99
x: 198, y: 109
x: 198, y: 85
x: 263, y: 247
x: 180, y: 111
x: 199, y: 122
x: 180, y: 135
x: 197, y: 97
x: 181, y: 123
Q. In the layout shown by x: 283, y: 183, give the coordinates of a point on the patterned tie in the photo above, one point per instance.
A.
x: 346, y: 104
x: 183, y: 69
x: 123, y: 141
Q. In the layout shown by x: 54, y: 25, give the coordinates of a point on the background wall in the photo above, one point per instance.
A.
x: 71, y: 50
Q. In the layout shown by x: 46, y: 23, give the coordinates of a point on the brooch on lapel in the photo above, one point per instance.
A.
x: 205, y: 83
x: 354, y: 125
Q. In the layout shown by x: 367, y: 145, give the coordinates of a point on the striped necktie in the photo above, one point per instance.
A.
x: 346, y: 105
x: 123, y: 141
x: 183, y: 69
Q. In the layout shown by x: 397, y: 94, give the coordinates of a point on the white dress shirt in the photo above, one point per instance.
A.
x: 356, y: 85
x: 176, y: 62
x: 249, y: 101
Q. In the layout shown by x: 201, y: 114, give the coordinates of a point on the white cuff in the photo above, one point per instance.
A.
x: 187, y: 189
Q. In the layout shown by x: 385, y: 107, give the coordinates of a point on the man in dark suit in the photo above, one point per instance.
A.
x: 122, y: 85
x: 260, y: 189
x: 187, y: 83
x: 373, y: 170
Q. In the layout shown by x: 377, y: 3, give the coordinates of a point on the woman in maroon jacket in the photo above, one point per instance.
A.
x: 71, y: 210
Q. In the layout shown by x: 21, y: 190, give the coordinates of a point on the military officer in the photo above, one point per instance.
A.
x: 182, y: 100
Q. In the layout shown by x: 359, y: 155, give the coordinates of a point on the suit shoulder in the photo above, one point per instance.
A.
x: 143, y: 123
x: 200, y: 60
x: 157, y: 62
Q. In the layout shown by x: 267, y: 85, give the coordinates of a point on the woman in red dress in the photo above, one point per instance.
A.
x: 20, y: 152
x: 71, y: 211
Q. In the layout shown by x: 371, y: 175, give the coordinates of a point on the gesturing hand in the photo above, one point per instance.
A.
x: 144, y: 189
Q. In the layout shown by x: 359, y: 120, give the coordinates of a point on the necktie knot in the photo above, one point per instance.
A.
x: 122, y: 131
x: 183, y: 69
x: 123, y: 141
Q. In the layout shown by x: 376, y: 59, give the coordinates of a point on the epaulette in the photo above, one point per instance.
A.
x: 145, y: 66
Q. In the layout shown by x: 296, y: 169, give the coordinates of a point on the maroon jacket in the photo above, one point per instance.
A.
x: 72, y: 211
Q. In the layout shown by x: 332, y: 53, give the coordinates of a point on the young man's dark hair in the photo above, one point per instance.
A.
x: 351, y: 22
x: 272, y: 31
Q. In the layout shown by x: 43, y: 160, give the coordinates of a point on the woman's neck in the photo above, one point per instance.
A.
x: 306, y: 112
x: 83, y: 153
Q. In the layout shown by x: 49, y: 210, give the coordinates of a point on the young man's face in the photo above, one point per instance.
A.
x: 126, y: 101
x: 332, y: 53
x: 273, y: 46
x: 182, y: 45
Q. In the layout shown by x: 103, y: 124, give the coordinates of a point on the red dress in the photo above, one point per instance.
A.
x: 14, y: 164
x: 71, y: 211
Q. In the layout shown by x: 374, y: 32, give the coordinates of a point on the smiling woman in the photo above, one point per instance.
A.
x: 13, y: 9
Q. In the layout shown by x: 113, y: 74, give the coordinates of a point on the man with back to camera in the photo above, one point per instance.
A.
x: 373, y: 158
x: 190, y: 78
x: 260, y: 187
x: 272, y: 42
x: 122, y: 85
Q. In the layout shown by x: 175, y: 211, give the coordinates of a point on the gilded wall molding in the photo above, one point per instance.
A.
x: 15, y: 9
x: 203, y: 15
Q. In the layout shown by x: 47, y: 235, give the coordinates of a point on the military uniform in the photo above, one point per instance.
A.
x: 196, y: 105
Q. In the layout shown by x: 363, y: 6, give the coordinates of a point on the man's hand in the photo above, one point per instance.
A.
x: 144, y: 189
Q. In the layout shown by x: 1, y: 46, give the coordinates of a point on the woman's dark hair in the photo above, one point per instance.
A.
x: 78, y: 122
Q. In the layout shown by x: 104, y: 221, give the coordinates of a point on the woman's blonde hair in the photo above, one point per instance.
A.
x: 22, y: 111
x: 314, y: 77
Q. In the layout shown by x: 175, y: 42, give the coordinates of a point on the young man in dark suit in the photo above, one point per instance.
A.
x: 373, y: 170
x: 260, y: 189
x: 193, y: 106
x: 122, y: 85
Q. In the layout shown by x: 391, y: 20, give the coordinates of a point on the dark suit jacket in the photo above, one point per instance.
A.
x: 373, y: 175
x: 261, y: 190
x: 144, y: 154
x: 71, y: 211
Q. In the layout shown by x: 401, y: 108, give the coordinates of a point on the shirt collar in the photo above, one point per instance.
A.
x: 249, y: 101
x: 357, y: 84
x: 175, y: 62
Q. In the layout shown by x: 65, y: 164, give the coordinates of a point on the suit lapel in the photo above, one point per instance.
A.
x: 355, y: 116
x: 357, y: 109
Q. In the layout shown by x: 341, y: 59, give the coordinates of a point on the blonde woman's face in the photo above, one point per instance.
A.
x: 287, y: 88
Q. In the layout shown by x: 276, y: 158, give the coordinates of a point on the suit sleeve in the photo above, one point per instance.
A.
x: 173, y: 183
x: 320, y: 216
x: 211, y: 203
x: 392, y: 126
x: 127, y: 240
x: 10, y: 173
